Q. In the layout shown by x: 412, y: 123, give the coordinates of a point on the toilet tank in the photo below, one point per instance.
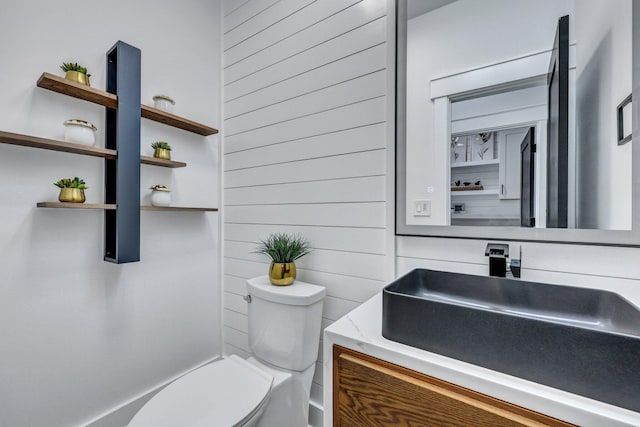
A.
x: 284, y: 322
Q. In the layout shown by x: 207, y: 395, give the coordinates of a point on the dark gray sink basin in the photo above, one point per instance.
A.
x: 584, y: 341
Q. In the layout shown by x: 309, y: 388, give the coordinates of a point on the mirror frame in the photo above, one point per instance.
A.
x: 624, y: 238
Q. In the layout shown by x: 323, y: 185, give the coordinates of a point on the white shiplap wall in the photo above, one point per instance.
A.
x: 307, y: 87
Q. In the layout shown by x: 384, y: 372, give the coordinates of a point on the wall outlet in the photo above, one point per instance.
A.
x: 422, y: 208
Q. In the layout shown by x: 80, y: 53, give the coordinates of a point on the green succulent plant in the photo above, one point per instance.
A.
x: 71, y: 183
x: 161, y: 144
x: 68, y: 66
x: 282, y: 247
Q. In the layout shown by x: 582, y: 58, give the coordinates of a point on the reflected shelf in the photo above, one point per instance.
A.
x: 489, y: 192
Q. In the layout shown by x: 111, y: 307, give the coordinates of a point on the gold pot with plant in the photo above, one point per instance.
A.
x: 71, y: 190
x: 283, y: 249
x: 76, y: 73
x: 162, y: 150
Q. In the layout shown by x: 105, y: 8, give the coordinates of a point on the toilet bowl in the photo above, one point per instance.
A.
x: 269, y: 389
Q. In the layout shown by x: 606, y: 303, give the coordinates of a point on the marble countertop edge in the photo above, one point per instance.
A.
x: 360, y: 330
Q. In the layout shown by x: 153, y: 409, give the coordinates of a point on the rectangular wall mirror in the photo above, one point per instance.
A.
x: 507, y: 120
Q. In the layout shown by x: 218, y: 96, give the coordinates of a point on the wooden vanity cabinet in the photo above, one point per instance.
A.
x: 372, y: 392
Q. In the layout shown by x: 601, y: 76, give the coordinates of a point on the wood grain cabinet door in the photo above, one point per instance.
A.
x: 372, y: 392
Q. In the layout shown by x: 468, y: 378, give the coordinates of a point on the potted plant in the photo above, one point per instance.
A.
x: 71, y: 190
x: 76, y: 73
x: 283, y: 249
x: 162, y: 150
x: 160, y: 195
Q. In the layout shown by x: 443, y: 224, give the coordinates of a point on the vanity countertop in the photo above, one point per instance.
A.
x: 360, y: 330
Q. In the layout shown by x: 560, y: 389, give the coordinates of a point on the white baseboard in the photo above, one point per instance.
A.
x: 122, y: 414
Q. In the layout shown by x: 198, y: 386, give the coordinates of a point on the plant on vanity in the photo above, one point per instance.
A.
x: 71, y: 190
x: 75, y: 72
x: 283, y: 249
x: 162, y: 150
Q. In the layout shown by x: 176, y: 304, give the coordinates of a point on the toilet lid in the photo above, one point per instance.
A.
x: 222, y: 393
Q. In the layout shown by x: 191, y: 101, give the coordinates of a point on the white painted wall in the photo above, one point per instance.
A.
x: 496, y: 111
x: 458, y: 37
x: 308, y: 120
x: 80, y: 336
x: 604, y: 65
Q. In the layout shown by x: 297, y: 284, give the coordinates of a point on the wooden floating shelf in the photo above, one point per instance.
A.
x: 65, y: 205
x: 77, y: 90
x: 147, y: 160
x: 51, y: 144
x: 176, y: 121
x: 61, y: 205
x: 177, y: 209
x: 97, y: 96
x: 70, y: 147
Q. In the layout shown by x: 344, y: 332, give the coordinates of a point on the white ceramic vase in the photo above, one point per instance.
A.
x: 164, y: 103
x: 160, y: 198
x: 80, y: 132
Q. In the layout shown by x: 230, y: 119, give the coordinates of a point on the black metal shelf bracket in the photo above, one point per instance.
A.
x: 122, y: 174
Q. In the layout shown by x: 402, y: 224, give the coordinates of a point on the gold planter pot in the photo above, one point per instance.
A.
x: 71, y: 195
x: 282, y: 273
x: 78, y: 77
x: 162, y: 153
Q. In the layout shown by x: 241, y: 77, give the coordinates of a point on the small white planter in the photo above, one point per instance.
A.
x: 80, y: 132
x: 164, y: 103
x: 160, y: 197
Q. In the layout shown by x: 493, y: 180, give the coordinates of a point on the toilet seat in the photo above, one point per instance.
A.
x: 224, y: 393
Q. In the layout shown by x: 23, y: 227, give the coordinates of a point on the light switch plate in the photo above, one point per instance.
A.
x: 422, y: 207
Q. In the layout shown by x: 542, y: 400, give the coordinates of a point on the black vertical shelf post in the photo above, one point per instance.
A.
x: 122, y: 174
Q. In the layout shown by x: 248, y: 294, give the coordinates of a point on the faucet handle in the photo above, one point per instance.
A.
x: 514, y: 266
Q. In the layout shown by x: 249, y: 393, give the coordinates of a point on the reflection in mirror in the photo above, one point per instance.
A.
x: 485, y: 146
x: 486, y: 169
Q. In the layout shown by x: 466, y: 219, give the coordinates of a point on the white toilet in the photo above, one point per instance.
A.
x: 271, y: 388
